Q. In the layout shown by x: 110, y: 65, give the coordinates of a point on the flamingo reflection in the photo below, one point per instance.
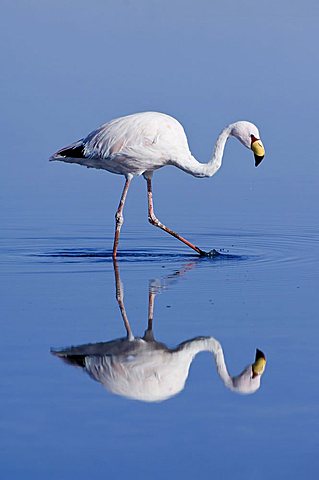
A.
x: 141, y: 368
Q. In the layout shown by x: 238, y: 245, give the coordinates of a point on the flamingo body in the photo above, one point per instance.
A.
x: 131, y: 145
x: 146, y: 370
x: 141, y: 143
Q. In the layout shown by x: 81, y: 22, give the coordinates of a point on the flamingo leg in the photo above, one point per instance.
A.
x: 151, y: 298
x: 119, y: 219
x: 148, y: 334
x: 154, y: 221
x: 120, y: 301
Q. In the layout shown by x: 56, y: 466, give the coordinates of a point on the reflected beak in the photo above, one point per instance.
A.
x: 258, y: 149
x: 259, y: 365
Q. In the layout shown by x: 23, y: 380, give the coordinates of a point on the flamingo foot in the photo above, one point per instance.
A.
x: 210, y: 254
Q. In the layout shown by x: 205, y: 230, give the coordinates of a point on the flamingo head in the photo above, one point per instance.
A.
x: 248, y: 381
x: 248, y: 134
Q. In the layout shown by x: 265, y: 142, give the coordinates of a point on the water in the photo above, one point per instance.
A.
x: 60, y: 291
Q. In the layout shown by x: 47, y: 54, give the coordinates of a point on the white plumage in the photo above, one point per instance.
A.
x: 149, y: 371
x: 131, y: 145
x: 141, y: 143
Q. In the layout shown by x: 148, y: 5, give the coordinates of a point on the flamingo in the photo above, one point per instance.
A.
x: 142, y: 368
x: 141, y: 143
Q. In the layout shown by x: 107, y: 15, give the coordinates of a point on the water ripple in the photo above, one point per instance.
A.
x: 274, y: 247
x: 145, y: 255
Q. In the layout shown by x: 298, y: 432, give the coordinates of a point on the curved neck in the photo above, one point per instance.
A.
x: 210, y: 344
x: 215, y: 162
x: 194, y: 167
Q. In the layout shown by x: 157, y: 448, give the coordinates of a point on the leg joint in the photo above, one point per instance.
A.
x: 153, y: 220
x: 119, y: 219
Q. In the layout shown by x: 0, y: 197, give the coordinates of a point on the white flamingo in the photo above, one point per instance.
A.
x: 141, y: 143
x: 147, y: 370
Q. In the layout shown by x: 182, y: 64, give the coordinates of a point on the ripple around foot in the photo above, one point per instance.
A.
x: 291, y: 246
x: 96, y: 255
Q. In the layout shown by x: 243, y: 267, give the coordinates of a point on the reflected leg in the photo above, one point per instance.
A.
x: 148, y: 334
x: 120, y: 300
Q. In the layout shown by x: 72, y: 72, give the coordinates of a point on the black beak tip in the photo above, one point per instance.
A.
x: 259, y: 354
x: 258, y: 160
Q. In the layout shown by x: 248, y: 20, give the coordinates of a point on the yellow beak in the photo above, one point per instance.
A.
x: 259, y: 151
x: 259, y: 365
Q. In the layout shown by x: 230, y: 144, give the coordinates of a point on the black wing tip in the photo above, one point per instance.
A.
x: 76, y: 360
x: 71, y: 152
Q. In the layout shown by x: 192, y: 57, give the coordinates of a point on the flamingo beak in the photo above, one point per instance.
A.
x: 258, y: 367
x: 258, y: 149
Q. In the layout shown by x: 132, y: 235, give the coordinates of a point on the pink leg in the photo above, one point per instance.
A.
x: 119, y: 217
x: 154, y: 221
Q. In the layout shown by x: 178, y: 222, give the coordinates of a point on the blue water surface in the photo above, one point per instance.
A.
x: 60, y: 291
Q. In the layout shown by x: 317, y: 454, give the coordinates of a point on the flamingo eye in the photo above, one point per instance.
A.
x: 253, y: 138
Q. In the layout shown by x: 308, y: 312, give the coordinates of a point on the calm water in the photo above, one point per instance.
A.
x: 60, y: 420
